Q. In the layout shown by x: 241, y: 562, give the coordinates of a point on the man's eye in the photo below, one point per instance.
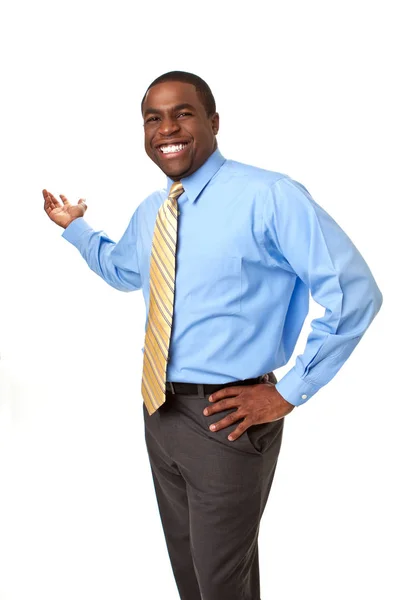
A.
x: 150, y: 119
x: 184, y: 114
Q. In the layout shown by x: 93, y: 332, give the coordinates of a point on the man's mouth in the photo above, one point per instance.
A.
x: 172, y: 148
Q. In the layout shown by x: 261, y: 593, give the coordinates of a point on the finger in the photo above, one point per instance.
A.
x: 221, y: 405
x: 48, y: 195
x: 50, y: 202
x: 82, y: 201
x: 240, y: 429
x: 226, y: 421
x: 226, y: 393
x: 65, y: 200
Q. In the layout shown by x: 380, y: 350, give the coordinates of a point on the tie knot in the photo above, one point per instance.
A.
x: 176, y: 190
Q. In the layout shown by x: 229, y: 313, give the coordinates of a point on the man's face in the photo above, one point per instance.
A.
x: 178, y: 134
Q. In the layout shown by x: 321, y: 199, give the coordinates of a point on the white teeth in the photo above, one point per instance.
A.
x: 172, y: 148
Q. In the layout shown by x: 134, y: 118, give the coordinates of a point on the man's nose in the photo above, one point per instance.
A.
x: 168, y: 126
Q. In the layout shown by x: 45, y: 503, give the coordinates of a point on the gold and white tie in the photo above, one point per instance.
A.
x: 161, y: 306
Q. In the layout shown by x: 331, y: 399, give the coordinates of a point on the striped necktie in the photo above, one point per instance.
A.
x: 162, y: 288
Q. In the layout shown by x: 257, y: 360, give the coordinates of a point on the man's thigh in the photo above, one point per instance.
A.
x: 228, y: 484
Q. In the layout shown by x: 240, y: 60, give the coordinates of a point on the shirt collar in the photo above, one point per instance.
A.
x: 197, y: 181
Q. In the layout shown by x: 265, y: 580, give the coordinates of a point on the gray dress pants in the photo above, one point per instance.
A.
x: 211, y: 494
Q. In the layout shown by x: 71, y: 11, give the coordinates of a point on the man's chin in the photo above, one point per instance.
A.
x: 175, y: 171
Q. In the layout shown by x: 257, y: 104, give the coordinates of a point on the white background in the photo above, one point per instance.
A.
x: 305, y: 88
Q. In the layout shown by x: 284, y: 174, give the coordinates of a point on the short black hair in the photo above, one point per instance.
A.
x: 202, y: 88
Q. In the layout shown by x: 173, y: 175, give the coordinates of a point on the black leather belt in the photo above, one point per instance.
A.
x: 200, y: 389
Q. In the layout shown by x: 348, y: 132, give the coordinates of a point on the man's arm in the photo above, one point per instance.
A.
x: 305, y: 241
x: 116, y: 263
x: 311, y: 244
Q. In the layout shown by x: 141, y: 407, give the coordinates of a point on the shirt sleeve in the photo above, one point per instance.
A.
x: 311, y: 245
x: 116, y: 263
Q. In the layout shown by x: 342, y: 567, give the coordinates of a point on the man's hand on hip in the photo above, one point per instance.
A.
x: 255, y: 404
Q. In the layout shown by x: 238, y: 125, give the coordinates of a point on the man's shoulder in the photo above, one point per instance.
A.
x: 257, y: 176
x: 153, y: 199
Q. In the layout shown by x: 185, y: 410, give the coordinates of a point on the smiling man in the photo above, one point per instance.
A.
x: 180, y: 129
x: 226, y: 256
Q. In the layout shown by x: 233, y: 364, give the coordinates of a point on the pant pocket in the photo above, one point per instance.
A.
x: 262, y: 436
x: 243, y: 443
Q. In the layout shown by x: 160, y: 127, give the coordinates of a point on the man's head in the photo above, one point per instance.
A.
x: 180, y: 123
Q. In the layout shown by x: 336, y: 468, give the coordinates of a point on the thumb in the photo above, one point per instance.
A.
x: 83, y: 202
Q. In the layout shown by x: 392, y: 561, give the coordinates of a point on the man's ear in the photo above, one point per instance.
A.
x: 215, y: 123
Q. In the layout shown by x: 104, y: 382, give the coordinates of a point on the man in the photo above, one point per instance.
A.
x: 226, y: 257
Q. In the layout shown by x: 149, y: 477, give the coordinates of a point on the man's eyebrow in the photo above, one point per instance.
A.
x: 156, y: 111
x: 185, y: 105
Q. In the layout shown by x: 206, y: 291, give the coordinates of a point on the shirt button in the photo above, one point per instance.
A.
x: 304, y: 397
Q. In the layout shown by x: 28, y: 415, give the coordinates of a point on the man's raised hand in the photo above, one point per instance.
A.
x: 62, y: 214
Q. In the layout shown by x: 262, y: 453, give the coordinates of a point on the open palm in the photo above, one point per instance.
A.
x: 62, y: 214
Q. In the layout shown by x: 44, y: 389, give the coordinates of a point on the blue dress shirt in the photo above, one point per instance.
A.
x: 251, y: 245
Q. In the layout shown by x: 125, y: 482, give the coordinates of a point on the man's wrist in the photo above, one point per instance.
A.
x: 76, y: 228
x: 294, y: 389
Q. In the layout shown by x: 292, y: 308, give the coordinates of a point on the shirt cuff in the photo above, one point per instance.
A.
x: 75, y: 229
x: 294, y: 389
